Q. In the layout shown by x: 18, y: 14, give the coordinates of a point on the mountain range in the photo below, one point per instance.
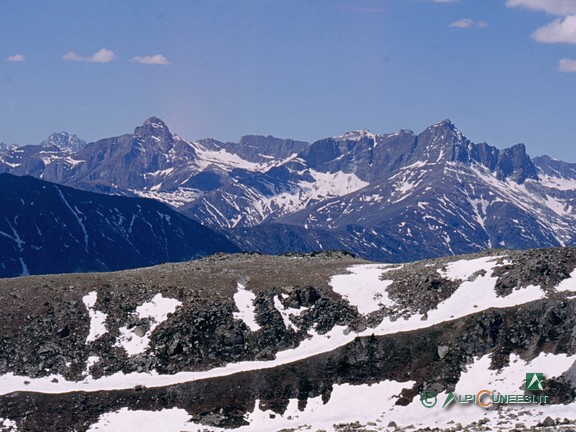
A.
x: 388, y: 197
x: 322, y: 341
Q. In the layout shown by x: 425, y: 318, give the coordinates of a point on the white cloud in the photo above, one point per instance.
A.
x: 466, y: 23
x: 72, y: 56
x: 101, y: 56
x: 554, y: 7
x: 561, y: 30
x: 16, y: 58
x: 157, y: 59
x: 567, y: 65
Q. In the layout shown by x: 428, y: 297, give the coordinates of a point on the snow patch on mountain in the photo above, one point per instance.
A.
x: 568, y: 284
x: 222, y: 159
x: 126, y: 420
x: 364, y: 287
x: 324, y: 186
x: 356, y: 135
x: 287, y: 312
x: 244, y: 300
x: 376, y: 404
x: 475, y: 294
x: 174, y: 198
x: 135, y: 340
x: 97, y: 318
x: 8, y: 425
x: 559, y: 183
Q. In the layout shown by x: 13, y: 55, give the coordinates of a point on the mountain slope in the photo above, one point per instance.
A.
x: 389, y: 197
x: 439, y: 194
x: 47, y: 228
x: 257, y: 343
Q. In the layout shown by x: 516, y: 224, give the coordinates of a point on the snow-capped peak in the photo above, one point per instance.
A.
x: 64, y: 141
x: 155, y: 123
x: 357, y: 135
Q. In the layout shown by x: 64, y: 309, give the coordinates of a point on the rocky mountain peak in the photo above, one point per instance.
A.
x: 444, y: 129
x: 154, y: 133
x: 555, y: 168
x: 514, y: 163
x: 7, y: 147
x: 155, y: 123
x: 64, y: 141
x: 446, y: 123
x: 442, y: 142
x: 259, y: 148
x: 356, y: 135
x: 152, y: 126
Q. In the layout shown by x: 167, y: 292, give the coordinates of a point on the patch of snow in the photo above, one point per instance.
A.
x: 125, y: 420
x: 371, y: 198
x: 347, y: 404
x: 77, y: 213
x: 480, y: 207
x: 160, y: 173
x: 73, y: 162
x: 561, y: 208
x: 8, y: 425
x: 287, y: 311
x: 176, y: 198
x: 97, y: 318
x: 25, y: 271
x: 244, y: 300
x: 11, y: 165
x: 463, y: 269
x: 325, y: 185
x: 363, y: 288
x: 335, y: 184
x: 558, y: 183
x: 157, y: 311
x: 298, y: 197
x: 568, y: 284
x: 91, y: 361
x: 223, y: 159
x: 407, y: 180
x: 356, y: 135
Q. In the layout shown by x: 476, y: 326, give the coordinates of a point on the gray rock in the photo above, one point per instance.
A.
x: 442, y: 351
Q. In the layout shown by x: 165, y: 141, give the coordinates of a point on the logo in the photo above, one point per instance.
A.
x: 449, y: 399
x: 428, y: 398
x: 484, y: 402
x: 534, y: 381
x: 489, y: 399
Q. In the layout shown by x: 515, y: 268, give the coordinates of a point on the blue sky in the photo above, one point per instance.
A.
x: 504, y: 71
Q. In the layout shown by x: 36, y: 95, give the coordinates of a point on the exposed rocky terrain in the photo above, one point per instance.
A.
x: 300, y: 342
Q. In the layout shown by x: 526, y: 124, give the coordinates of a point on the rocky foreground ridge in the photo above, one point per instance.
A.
x: 298, y: 342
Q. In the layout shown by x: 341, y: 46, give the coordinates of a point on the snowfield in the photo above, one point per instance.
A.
x: 473, y: 296
x: 375, y: 404
x: 364, y: 286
